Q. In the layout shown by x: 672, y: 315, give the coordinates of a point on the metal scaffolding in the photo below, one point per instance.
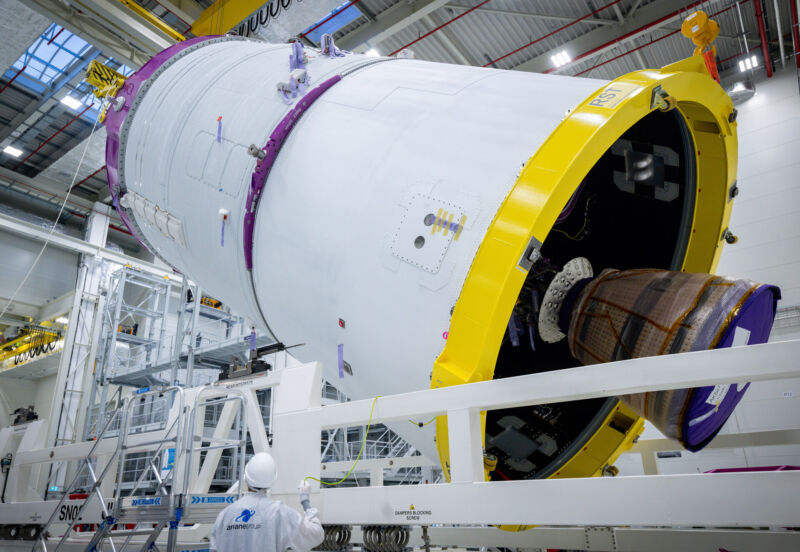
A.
x: 161, y: 331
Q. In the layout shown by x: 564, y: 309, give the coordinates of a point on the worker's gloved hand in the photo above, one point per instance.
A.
x: 305, y: 491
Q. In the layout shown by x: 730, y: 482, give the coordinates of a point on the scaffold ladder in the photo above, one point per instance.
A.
x: 165, y: 506
x: 94, y: 482
x: 168, y: 495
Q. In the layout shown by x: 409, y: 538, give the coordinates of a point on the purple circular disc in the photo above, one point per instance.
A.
x: 710, y: 407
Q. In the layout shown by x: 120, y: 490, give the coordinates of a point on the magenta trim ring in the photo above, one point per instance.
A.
x: 115, y: 118
x: 263, y: 167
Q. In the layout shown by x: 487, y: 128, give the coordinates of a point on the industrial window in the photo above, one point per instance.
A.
x: 53, y: 54
x: 50, y: 56
x: 339, y: 17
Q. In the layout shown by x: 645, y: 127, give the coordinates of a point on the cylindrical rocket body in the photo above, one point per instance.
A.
x: 372, y: 212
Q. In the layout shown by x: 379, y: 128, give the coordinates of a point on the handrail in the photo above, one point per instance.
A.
x: 177, y: 424
x: 219, y: 396
x: 683, y: 370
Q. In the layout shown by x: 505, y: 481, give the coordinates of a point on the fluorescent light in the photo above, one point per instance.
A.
x: 62, y: 320
x: 748, y: 63
x: 12, y: 151
x: 561, y: 58
x: 372, y: 52
x: 72, y: 103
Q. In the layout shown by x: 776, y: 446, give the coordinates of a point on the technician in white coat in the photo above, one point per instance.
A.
x: 256, y: 522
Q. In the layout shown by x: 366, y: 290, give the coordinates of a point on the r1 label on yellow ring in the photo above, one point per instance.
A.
x: 611, y: 96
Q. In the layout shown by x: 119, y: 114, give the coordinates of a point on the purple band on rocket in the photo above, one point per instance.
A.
x: 114, y: 119
x: 273, y: 146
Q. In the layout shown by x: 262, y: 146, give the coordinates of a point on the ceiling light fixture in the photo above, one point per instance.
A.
x: 372, y: 52
x: 561, y: 58
x: 72, y: 103
x: 748, y: 63
x: 12, y: 151
x: 62, y: 320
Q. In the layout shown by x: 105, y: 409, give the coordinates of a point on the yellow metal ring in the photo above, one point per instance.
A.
x: 540, y: 193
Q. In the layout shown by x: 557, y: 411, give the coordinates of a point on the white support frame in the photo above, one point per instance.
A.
x: 712, y: 500
x: 656, y: 512
x: 76, y: 245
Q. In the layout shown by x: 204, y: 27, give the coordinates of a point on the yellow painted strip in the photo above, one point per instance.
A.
x: 153, y: 20
x: 223, y: 15
x: 440, y: 222
x: 460, y: 226
x: 447, y: 224
x: 435, y: 225
x: 542, y: 190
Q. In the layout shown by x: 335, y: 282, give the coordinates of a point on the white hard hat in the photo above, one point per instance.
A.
x: 260, y: 471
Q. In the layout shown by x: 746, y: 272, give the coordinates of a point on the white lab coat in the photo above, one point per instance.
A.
x: 256, y: 522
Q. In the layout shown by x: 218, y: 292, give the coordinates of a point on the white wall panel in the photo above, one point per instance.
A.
x: 44, y: 396
x: 14, y: 393
x: 54, y: 275
x: 766, y: 215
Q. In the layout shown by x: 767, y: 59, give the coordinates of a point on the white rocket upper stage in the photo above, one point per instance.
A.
x: 373, y: 208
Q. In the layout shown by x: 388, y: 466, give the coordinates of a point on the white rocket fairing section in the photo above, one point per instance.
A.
x: 341, y: 201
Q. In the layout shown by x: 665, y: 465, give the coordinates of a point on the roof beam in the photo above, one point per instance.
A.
x: 388, y: 23
x: 20, y: 308
x: 451, y: 42
x: 53, y: 192
x: 638, y: 54
x: 114, y: 16
x: 514, y: 13
x: 119, y: 47
x: 76, y: 245
x: 186, y: 10
x: 366, y: 12
x: 56, y: 307
x: 599, y: 41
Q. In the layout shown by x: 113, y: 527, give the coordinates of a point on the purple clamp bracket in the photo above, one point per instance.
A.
x: 329, y: 48
x: 266, y: 159
x: 298, y: 57
x: 299, y: 79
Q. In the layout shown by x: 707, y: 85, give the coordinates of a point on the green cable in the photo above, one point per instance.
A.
x: 577, y: 236
x: 360, y: 452
x: 422, y: 424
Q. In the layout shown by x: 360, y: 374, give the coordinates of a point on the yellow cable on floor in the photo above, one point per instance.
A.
x: 360, y: 452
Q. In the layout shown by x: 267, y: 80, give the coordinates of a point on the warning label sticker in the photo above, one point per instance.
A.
x: 717, y: 394
x: 412, y: 514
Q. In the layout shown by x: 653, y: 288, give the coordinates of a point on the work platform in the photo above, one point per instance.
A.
x: 752, y: 511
